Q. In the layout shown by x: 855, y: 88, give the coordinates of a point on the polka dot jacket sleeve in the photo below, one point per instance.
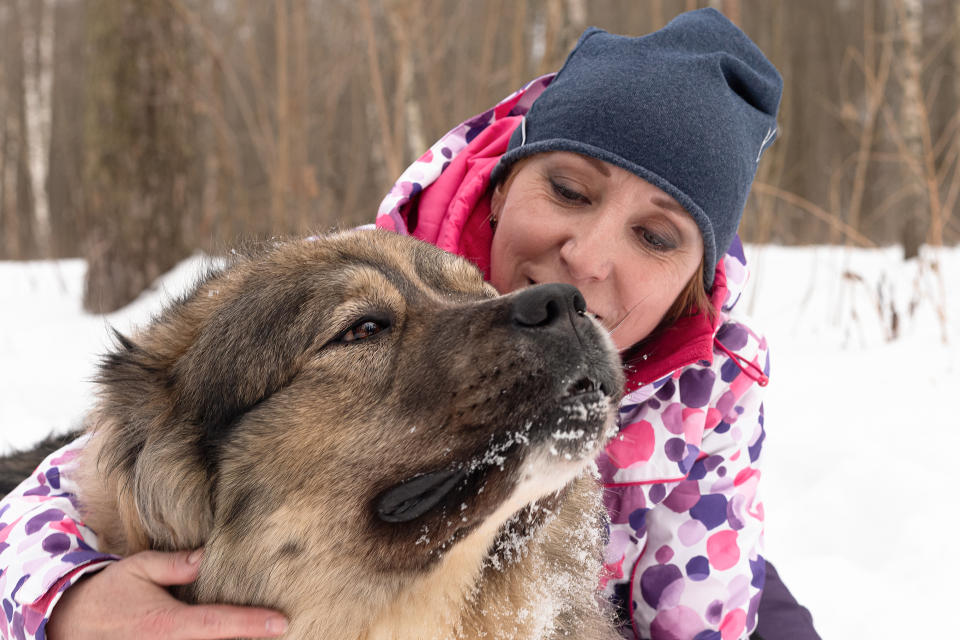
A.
x: 683, y: 559
x: 44, y: 546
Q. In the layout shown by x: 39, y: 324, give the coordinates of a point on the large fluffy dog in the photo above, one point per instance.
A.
x: 365, y: 436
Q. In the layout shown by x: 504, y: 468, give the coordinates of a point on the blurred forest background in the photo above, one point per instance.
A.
x: 133, y: 133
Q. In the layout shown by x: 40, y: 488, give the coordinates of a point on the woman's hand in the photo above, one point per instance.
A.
x: 128, y: 600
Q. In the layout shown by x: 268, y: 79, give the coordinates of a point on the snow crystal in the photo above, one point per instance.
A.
x: 568, y: 435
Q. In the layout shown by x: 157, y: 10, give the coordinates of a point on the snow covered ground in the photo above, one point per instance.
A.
x: 861, y: 429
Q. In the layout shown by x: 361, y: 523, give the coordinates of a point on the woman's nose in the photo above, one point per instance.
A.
x: 588, y: 253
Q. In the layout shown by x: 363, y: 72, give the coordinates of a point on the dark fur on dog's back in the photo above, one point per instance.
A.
x: 363, y: 435
x: 17, y: 465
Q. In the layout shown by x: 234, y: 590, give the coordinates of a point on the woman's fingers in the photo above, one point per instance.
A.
x: 200, y: 622
x: 129, y: 599
x: 167, y: 568
x: 211, y: 622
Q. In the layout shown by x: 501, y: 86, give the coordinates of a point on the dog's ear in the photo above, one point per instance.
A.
x: 149, y: 459
x: 170, y: 398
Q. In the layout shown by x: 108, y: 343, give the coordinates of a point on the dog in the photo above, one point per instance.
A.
x: 362, y: 434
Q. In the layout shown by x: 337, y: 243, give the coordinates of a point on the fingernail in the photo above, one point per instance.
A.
x: 195, y: 557
x: 276, y: 624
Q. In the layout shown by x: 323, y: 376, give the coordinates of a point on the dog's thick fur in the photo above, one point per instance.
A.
x: 364, y: 436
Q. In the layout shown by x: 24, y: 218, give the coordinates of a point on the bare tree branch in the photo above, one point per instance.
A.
x: 816, y: 211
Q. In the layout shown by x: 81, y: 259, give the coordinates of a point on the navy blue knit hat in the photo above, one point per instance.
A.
x: 689, y: 108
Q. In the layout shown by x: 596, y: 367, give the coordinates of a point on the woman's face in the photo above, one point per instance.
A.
x: 628, y: 246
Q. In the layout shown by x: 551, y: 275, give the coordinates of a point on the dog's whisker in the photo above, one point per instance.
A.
x: 625, y: 316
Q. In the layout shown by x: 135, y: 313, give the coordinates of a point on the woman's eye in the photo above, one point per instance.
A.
x: 566, y: 193
x: 363, y: 330
x: 654, y: 240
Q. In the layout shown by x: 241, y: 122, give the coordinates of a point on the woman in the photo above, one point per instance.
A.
x: 635, y: 201
x: 626, y: 177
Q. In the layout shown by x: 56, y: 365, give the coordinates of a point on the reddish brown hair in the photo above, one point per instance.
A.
x: 693, y: 299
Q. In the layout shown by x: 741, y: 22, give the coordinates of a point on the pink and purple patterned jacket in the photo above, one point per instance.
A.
x: 680, y: 478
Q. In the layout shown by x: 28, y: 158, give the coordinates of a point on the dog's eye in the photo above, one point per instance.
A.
x: 364, y: 329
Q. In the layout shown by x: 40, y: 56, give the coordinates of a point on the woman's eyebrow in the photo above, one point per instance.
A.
x: 599, y: 165
x: 669, y: 204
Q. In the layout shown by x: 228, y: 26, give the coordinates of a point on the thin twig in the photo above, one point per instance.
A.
x: 818, y: 212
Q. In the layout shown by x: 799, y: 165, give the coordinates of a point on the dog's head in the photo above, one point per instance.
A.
x: 356, y: 386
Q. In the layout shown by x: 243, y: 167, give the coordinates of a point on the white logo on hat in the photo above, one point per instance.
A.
x: 766, y: 140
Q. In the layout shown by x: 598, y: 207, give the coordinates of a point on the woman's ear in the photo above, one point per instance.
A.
x: 496, y: 203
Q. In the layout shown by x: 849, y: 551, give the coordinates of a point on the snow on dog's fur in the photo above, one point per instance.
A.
x: 365, y: 437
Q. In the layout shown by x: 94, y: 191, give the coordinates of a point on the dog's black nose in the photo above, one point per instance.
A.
x: 544, y: 304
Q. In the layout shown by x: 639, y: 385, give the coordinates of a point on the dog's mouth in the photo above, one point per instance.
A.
x: 415, y: 497
x: 573, y: 430
x: 585, y: 388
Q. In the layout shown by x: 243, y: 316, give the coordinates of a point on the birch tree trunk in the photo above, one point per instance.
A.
x: 37, y: 80
x: 912, y: 120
